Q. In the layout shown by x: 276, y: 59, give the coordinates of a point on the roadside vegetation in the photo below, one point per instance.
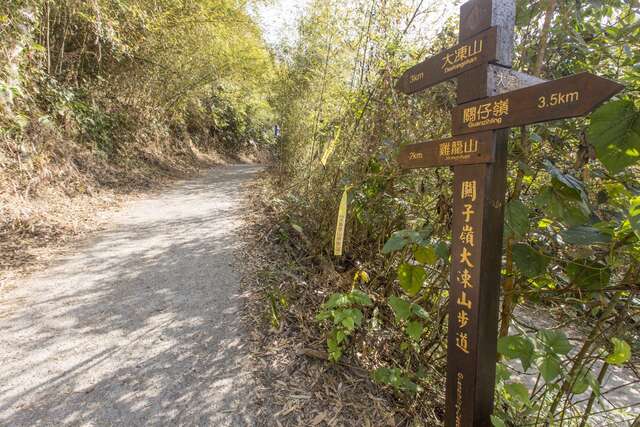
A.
x: 570, y: 313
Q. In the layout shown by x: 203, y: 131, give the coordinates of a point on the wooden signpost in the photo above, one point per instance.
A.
x: 481, y: 49
x: 466, y: 150
x: 559, y: 99
x: 491, y: 99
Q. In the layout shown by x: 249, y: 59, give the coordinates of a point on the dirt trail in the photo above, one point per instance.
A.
x: 141, y: 325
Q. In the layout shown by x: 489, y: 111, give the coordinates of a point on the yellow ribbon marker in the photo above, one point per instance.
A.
x: 340, y: 224
x: 330, y: 148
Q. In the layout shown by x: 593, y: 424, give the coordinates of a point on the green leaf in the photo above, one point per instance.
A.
x: 349, y: 323
x: 550, y: 368
x: 348, y: 318
x: 400, y: 239
x: 323, y: 315
x: 356, y: 315
x: 588, y: 275
x: 419, y: 311
x: 400, y: 307
x: 634, y: 215
x: 382, y: 375
x: 518, y: 392
x: 358, y: 297
x: 411, y: 278
x: 529, y: 261
x: 517, y: 347
x: 497, y: 422
x: 426, y: 255
x: 335, y: 351
x: 621, y: 353
x: 565, y: 184
x: 337, y: 300
x: 394, y: 378
x: 584, y: 380
x: 584, y: 235
x: 517, y: 218
x: 554, y: 341
x: 615, y: 133
x: 414, y: 329
x: 396, y: 242
x: 442, y: 250
x: 568, y: 211
x: 502, y: 373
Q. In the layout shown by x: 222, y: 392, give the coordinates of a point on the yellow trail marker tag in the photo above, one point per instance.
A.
x: 340, y: 224
x: 330, y: 148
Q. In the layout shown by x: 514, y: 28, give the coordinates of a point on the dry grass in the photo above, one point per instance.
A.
x: 284, y: 288
x: 54, y: 190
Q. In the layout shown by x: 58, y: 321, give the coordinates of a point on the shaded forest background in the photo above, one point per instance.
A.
x: 98, y: 98
x: 98, y: 95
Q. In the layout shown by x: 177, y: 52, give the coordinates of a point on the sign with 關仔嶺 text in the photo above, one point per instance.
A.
x: 572, y: 96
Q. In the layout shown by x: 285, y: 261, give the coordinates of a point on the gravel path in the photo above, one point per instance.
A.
x: 140, y: 326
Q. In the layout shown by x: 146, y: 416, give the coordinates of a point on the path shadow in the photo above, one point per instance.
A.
x: 140, y: 327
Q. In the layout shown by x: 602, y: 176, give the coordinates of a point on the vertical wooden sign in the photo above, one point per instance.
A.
x: 478, y: 153
x: 476, y: 249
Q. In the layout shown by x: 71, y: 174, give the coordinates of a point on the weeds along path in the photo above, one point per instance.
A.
x: 141, y: 325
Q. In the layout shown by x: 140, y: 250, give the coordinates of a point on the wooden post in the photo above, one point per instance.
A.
x: 477, y: 230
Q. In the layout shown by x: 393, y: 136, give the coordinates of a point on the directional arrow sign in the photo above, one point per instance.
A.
x: 476, y: 51
x: 465, y: 150
x: 558, y: 99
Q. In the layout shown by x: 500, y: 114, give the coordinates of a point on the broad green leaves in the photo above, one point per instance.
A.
x: 547, y: 350
x: 621, y: 353
x: 588, y: 275
x: 345, y: 314
x: 585, y: 235
x: 517, y: 347
x: 405, y: 311
x: 615, y: 134
x: 411, y: 278
x: 583, y: 381
x: 554, y: 341
x: 497, y: 422
x: 360, y: 298
x: 394, y: 378
x: 529, y: 261
x: 566, y: 199
x: 400, y: 307
x: 402, y: 238
x: 518, y: 393
x: 414, y: 329
x: 517, y: 218
x: 550, y: 368
x: 426, y: 255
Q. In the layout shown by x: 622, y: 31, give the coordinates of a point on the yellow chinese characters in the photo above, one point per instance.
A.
x: 464, y: 278
x: 485, y: 114
x: 445, y: 149
x: 463, y: 319
x: 458, y: 149
x: 467, y: 236
x: 462, y: 341
x: 469, y: 191
x: 462, y: 56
